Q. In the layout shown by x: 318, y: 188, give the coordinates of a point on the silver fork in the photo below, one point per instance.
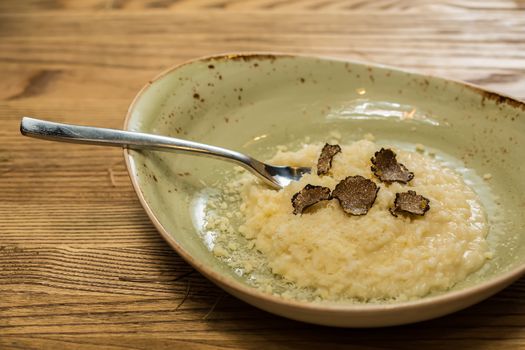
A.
x: 276, y: 177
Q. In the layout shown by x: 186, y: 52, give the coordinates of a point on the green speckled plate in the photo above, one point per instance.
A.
x: 251, y: 102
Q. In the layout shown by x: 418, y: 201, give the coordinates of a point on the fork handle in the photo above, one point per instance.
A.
x: 129, y: 139
x: 119, y: 138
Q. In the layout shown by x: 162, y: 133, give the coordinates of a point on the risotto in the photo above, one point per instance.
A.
x: 338, y: 256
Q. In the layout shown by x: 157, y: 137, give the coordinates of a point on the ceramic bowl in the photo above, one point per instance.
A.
x: 251, y: 102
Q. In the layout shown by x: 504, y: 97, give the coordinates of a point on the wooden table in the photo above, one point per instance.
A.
x: 82, y: 266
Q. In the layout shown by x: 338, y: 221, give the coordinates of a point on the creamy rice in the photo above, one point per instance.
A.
x: 372, y: 257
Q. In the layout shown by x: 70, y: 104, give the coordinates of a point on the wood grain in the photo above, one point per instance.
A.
x: 410, y: 6
x: 82, y: 267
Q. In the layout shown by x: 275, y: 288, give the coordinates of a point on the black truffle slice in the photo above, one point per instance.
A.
x: 309, y: 196
x: 356, y: 194
x: 325, y: 159
x: 387, y: 169
x: 410, y: 203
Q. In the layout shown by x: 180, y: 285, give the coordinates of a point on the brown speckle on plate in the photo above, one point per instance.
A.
x: 499, y: 99
x: 250, y: 57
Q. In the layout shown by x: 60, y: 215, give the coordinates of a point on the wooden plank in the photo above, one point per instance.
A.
x: 411, y: 6
x: 82, y: 267
x: 116, y: 50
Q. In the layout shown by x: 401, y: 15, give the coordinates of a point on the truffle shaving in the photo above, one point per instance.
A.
x: 325, y: 159
x: 356, y: 194
x: 387, y: 169
x: 309, y: 196
x: 410, y: 203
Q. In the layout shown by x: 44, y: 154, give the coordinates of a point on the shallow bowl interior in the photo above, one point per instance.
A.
x: 251, y: 103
